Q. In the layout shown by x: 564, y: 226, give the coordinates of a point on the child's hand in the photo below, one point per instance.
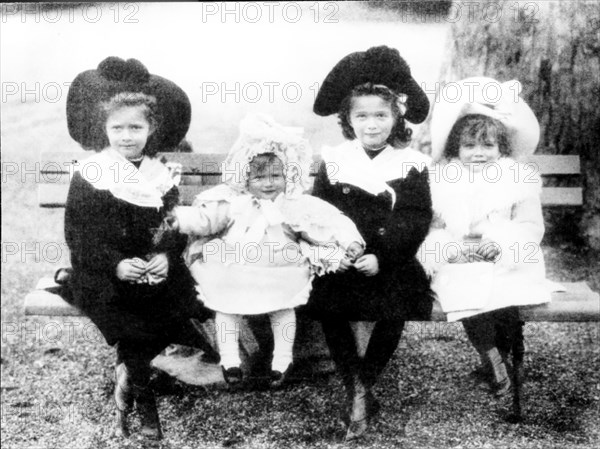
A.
x: 354, y: 251
x: 367, y: 265
x: 171, y: 222
x: 158, y: 265
x: 168, y: 226
x: 488, y: 250
x: 131, y: 270
x: 345, y: 265
x: 468, y: 255
x: 453, y: 254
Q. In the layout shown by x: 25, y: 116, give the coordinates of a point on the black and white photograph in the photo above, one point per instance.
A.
x: 316, y: 224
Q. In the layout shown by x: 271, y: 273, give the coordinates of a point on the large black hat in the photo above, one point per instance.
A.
x: 113, y: 76
x: 377, y: 65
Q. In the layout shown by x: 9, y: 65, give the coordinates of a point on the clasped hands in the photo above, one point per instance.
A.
x: 366, y: 264
x: 138, y: 271
x: 485, y: 251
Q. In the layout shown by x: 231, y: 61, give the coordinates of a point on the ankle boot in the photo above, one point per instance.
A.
x: 279, y: 378
x: 500, y: 379
x: 346, y: 410
x: 146, y: 406
x: 123, y: 399
x: 373, y: 406
x: 359, y: 414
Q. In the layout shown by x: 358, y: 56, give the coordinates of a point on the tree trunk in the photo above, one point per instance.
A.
x: 553, y: 49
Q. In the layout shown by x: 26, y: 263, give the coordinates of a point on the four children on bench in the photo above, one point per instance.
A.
x: 137, y: 290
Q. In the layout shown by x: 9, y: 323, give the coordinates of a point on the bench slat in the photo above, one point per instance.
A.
x: 554, y: 164
x: 562, y: 196
x: 55, y: 162
x: 204, y: 169
x: 59, y: 161
x: 55, y: 195
x: 578, y: 304
x: 191, y: 179
x: 42, y: 302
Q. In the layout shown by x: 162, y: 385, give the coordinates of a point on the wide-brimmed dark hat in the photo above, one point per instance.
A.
x: 377, y: 65
x: 113, y: 76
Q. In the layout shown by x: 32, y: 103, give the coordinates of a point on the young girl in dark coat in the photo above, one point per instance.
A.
x: 382, y: 185
x: 138, y: 292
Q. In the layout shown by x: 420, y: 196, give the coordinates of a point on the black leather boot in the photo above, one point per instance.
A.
x: 145, y: 403
x: 359, y: 415
x: 123, y: 399
x: 342, y: 348
x: 382, y: 345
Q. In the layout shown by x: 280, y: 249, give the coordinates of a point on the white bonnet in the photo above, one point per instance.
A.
x: 260, y: 134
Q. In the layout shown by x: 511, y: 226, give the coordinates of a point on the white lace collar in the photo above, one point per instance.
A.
x: 348, y: 163
x: 143, y: 186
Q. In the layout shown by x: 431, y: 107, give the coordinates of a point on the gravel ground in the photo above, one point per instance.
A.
x: 57, y: 394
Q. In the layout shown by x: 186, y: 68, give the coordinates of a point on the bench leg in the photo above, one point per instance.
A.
x: 257, y: 349
x: 518, y: 350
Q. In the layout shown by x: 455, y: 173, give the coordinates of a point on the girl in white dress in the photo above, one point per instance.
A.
x: 483, y: 250
x: 260, y: 241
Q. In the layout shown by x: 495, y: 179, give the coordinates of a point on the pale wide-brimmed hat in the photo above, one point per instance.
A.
x: 485, y: 96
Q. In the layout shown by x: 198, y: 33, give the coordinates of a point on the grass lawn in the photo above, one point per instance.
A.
x: 57, y: 394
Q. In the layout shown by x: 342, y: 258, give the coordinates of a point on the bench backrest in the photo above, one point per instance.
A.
x: 202, y: 171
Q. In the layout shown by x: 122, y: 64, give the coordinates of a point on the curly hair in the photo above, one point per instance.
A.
x: 479, y: 127
x: 400, y: 134
x: 125, y: 100
x: 261, y: 162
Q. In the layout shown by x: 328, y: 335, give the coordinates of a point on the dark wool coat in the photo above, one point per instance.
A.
x: 102, y: 230
x: 401, y: 289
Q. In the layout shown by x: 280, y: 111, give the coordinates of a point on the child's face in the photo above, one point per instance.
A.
x: 266, y: 182
x: 128, y: 130
x: 372, y: 120
x: 475, y: 152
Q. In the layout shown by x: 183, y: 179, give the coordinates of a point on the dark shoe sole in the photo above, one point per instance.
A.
x: 502, y: 388
x: 121, y: 429
x: 278, y: 379
x: 359, y: 415
x: 233, y: 376
x: 356, y: 429
x: 480, y: 374
x: 373, y: 407
x: 212, y: 358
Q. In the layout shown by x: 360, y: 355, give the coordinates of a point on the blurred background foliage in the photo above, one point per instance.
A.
x: 553, y: 49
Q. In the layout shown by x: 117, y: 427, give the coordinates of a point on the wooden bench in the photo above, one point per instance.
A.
x: 577, y: 303
x: 201, y: 171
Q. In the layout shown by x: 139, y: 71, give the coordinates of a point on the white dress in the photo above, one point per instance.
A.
x: 502, y: 204
x: 258, y: 256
